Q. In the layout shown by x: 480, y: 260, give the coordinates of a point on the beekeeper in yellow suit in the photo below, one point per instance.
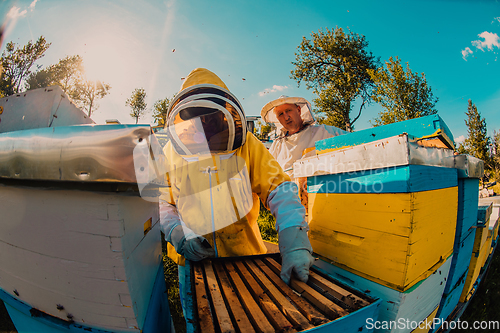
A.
x: 218, y: 172
x: 297, y: 130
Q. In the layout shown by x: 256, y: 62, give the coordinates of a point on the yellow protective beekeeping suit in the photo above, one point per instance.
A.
x: 249, y: 174
x: 217, y: 195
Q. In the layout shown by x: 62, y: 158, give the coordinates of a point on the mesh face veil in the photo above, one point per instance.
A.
x: 204, y: 119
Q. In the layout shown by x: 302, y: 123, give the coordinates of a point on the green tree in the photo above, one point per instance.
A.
x: 335, y: 65
x: 477, y: 142
x: 137, y: 102
x: 495, y: 154
x: 461, y: 149
x: 263, y: 129
x: 86, y: 93
x: 17, y: 62
x: 160, y: 108
x: 67, y: 73
x: 328, y: 101
x: 403, y: 93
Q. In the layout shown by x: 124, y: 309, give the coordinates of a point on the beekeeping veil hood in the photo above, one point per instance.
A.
x: 205, y: 117
x: 267, y: 112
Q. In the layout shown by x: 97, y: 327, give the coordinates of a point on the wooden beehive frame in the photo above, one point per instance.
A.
x: 248, y: 295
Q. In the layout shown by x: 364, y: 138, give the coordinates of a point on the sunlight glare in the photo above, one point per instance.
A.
x: 103, y: 61
x: 108, y: 56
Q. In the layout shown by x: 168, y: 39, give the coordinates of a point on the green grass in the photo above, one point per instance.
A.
x: 485, y: 304
x: 172, y: 280
x: 496, y: 188
x: 267, y: 225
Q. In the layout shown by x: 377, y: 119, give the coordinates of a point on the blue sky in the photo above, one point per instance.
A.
x: 251, y: 44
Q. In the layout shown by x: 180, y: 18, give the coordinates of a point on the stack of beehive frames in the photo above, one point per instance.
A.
x: 480, y: 251
x: 383, y: 205
x: 247, y: 294
x: 470, y: 170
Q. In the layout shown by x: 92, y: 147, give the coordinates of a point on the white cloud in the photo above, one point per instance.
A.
x: 497, y: 19
x: 32, y: 5
x: 490, y: 40
x: 460, y: 139
x: 15, y: 12
x: 275, y: 88
x: 466, y: 52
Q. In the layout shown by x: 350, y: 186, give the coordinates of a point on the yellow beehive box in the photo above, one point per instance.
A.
x: 395, y: 239
x: 487, y: 251
x: 480, y: 238
x: 427, y: 324
x: 477, y: 262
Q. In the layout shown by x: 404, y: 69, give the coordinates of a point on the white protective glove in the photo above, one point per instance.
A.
x: 190, y: 245
x: 295, y: 250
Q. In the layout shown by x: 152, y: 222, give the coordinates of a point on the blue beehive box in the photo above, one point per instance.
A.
x: 449, y: 301
x: 467, y: 212
x: 414, y: 305
x: 398, y: 179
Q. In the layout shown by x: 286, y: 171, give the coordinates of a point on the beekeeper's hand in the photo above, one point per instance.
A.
x: 190, y: 245
x: 295, y: 250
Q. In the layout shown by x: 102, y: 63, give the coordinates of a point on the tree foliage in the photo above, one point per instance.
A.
x: 477, y: 142
x: 85, y: 94
x: 495, y: 154
x: 403, y: 93
x: 263, y: 129
x: 17, y: 63
x: 160, y: 108
x: 335, y: 65
x: 137, y: 102
x: 67, y: 73
x: 461, y: 149
x: 330, y: 108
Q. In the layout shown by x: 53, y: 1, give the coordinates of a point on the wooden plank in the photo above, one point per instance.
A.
x: 331, y: 309
x: 255, y: 314
x: 204, y: 314
x: 313, y: 315
x: 338, y: 292
x: 240, y: 317
x: 277, y: 319
x: 220, y: 308
x: 432, y: 143
x: 293, y: 315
